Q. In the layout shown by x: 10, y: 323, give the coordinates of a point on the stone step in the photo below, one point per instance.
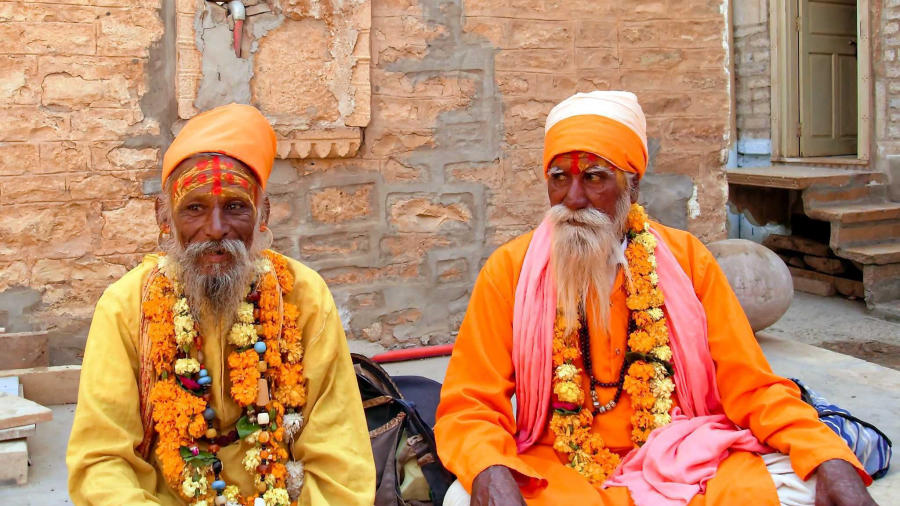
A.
x: 14, y: 461
x: 873, y: 232
x: 879, y: 254
x: 826, y: 195
x: 799, y: 177
x: 856, y: 213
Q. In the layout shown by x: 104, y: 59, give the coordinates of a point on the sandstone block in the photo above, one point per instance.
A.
x: 66, y: 156
x: 18, y: 158
x: 366, y: 275
x: 594, y: 58
x: 105, y: 124
x: 130, y: 228
x: 103, y: 186
x: 592, y: 33
x: 825, y: 265
x: 366, y: 300
x: 26, y: 124
x: 47, y: 38
x: 129, y: 32
x: 456, y: 269
x: 22, y: 432
x: 761, y: 281
x: 48, y: 385
x: 849, y: 288
x: 341, y: 204
x: 533, y: 34
x: 37, y: 188
x: 76, y: 92
x: 796, y: 243
x: 23, y: 350
x: 44, y: 230
x: 429, y: 213
x: 108, y: 156
x: 14, y: 461
x: 412, y: 246
x: 13, y: 274
x: 395, y: 171
x: 17, y: 79
x: 16, y: 411
x: 533, y: 60
x: 496, y: 31
x: 332, y: 246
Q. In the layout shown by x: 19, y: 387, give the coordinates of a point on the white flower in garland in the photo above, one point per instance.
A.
x: 662, y: 387
x: 566, y: 372
x: 662, y: 353
x: 193, y: 486
x: 292, y: 423
x: 294, y: 478
x: 656, y: 313
x: 647, y: 240
x: 186, y: 366
x: 245, y: 313
x: 661, y: 419
x: 242, y: 334
x: 662, y: 405
x: 264, y: 266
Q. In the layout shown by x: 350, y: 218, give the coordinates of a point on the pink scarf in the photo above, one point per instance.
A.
x: 677, y: 460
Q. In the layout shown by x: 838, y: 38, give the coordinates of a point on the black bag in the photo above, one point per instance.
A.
x: 400, y: 413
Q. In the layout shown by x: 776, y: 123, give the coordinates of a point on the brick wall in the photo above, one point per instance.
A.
x: 885, y: 19
x: 448, y: 170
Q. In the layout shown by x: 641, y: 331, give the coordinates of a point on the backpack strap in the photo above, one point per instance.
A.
x: 146, y: 373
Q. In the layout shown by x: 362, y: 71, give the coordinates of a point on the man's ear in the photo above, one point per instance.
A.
x: 161, y: 216
x: 635, y: 190
x: 265, y: 209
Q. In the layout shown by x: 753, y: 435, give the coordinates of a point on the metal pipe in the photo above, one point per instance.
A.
x: 413, y: 353
x: 239, y: 14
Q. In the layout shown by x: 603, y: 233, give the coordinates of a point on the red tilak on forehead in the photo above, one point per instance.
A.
x: 590, y: 160
x: 213, y: 170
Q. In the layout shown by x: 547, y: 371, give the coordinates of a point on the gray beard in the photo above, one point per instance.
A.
x: 217, y: 293
x: 586, y: 252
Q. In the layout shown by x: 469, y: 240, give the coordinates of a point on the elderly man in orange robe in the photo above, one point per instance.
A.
x: 636, y: 375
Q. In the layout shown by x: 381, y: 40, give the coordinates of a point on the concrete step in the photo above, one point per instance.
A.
x: 856, y: 213
x: 879, y: 254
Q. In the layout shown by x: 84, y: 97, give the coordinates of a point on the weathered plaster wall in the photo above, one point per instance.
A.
x: 448, y: 168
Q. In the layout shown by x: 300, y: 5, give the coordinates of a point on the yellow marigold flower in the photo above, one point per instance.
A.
x: 566, y: 372
x: 654, y: 278
x: 568, y: 391
x: 186, y: 366
x: 662, y: 419
x: 656, y: 313
x: 245, y: 313
x: 251, y: 459
x: 562, y: 444
x: 662, y: 353
x: 181, y: 306
x: 662, y: 405
x: 231, y: 493
x: 662, y: 387
x: 647, y: 240
x: 276, y: 497
x: 659, y: 370
x: 242, y: 334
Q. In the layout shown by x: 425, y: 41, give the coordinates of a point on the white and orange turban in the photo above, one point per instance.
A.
x: 609, y: 124
x: 236, y: 130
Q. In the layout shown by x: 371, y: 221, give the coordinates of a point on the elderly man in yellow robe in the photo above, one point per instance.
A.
x: 636, y: 375
x: 217, y: 372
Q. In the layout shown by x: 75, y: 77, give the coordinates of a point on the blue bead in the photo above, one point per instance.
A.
x: 218, y: 485
x: 260, y: 347
x: 203, y: 373
x: 209, y: 414
x: 204, y: 380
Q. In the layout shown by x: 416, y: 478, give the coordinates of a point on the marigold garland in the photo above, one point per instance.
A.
x: 178, y: 399
x: 647, y: 381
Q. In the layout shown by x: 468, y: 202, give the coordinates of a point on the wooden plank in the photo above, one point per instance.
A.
x: 796, y: 243
x: 22, y: 432
x: 24, y: 349
x: 14, y: 461
x: 15, y: 412
x: 812, y: 282
x: 49, y: 385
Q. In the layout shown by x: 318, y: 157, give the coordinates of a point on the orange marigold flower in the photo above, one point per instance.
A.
x: 641, y: 341
x: 637, y: 218
x: 641, y: 370
x: 244, y: 376
x: 642, y: 319
x: 283, y: 273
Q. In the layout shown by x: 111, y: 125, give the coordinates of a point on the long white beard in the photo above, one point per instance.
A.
x: 586, y: 252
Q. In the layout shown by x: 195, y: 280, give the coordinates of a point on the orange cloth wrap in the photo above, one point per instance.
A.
x: 236, y: 130
x: 602, y: 136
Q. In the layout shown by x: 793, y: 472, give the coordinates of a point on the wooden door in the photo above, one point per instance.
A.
x: 828, y: 95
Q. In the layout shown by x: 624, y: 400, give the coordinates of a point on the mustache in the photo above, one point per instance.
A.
x: 585, y: 217
x: 233, y: 247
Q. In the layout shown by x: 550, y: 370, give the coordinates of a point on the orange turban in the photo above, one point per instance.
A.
x: 236, y: 130
x: 609, y: 124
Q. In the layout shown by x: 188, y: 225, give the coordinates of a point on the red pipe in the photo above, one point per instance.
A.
x: 413, y: 353
x: 238, y: 30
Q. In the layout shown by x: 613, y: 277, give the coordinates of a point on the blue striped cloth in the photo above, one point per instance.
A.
x: 871, y: 446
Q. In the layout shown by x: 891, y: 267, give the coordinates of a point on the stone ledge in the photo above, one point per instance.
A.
x: 332, y: 143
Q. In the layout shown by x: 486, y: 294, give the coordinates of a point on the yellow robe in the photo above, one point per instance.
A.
x: 333, y: 446
x: 475, y: 423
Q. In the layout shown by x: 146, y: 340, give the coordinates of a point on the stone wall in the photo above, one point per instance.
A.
x: 448, y: 168
x: 885, y: 19
x: 752, y: 81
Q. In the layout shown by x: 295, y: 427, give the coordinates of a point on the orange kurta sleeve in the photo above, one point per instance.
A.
x: 752, y: 395
x: 475, y: 424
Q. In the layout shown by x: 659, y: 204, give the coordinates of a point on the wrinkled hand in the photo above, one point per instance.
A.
x: 838, y: 484
x: 496, y: 486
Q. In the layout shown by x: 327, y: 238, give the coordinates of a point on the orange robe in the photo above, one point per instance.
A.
x: 475, y: 424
